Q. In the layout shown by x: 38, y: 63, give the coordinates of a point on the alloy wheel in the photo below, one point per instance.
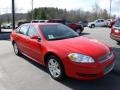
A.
x: 54, y: 68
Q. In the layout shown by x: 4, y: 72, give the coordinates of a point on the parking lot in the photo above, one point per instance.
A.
x: 21, y: 73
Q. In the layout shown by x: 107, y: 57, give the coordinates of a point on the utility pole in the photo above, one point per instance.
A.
x: 110, y: 8
x: 13, y: 14
x: 32, y: 10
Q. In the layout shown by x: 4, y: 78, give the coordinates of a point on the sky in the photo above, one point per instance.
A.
x: 25, y: 5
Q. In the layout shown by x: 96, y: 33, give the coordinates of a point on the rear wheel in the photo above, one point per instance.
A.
x: 55, y: 68
x: 92, y: 26
x: 118, y: 42
x: 16, y: 50
x: 78, y: 30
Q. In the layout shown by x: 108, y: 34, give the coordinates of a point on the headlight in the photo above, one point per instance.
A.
x: 80, y: 58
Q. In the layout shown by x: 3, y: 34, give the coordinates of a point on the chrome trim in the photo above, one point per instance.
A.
x: 106, y: 57
x: 110, y: 68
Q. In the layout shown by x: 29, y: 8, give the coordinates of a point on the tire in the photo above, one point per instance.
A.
x: 92, y: 26
x: 78, y: 30
x: 55, y: 68
x: 8, y: 27
x: 16, y: 49
x: 118, y: 42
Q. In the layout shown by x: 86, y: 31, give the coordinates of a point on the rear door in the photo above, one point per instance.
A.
x: 21, y: 37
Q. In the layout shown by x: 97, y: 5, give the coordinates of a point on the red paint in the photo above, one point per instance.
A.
x: 62, y: 48
x: 115, y: 31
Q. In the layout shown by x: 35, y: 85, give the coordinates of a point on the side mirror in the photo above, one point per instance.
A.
x: 36, y: 37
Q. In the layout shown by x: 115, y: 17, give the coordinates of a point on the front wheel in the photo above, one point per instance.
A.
x: 55, y: 68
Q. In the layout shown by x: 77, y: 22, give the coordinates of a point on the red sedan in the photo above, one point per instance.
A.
x: 63, y: 51
x: 115, y: 32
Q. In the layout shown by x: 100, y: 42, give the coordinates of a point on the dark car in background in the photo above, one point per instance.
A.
x: 115, y: 31
x: 83, y: 23
x: 77, y: 27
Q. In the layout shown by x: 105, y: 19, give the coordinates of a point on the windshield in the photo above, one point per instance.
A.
x: 57, y: 32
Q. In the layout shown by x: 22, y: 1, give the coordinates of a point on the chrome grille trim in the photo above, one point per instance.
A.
x: 106, y: 57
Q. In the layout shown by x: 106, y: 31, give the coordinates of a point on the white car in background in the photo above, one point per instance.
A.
x: 7, y: 26
x: 98, y: 23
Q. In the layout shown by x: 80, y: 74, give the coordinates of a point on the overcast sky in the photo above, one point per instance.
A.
x: 25, y: 5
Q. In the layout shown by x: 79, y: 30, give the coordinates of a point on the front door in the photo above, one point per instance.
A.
x: 33, y: 45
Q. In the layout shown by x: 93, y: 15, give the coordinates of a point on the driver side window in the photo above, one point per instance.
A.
x: 32, y: 32
x: 98, y: 21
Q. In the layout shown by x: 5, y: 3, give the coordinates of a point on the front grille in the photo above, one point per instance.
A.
x: 109, y: 68
x: 106, y: 57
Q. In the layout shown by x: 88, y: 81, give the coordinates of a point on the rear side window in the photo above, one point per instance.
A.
x: 23, y: 29
x: 17, y: 30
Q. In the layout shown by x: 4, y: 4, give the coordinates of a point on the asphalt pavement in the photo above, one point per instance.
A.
x: 21, y: 73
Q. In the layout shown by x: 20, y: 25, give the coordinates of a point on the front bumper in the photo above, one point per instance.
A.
x: 89, y: 71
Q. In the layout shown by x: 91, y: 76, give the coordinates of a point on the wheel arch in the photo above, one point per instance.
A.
x: 60, y: 62
x: 93, y: 24
x: 51, y: 53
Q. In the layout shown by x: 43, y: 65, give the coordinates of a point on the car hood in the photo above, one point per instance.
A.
x: 91, y: 23
x: 83, y: 45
